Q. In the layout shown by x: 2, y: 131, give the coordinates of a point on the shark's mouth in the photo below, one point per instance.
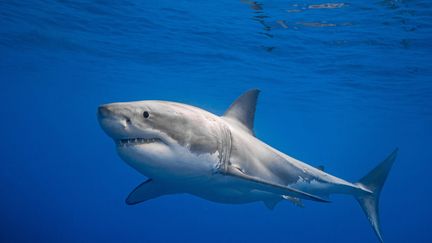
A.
x: 137, y: 141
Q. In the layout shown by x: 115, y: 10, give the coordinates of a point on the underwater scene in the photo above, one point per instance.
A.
x: 344, y: 87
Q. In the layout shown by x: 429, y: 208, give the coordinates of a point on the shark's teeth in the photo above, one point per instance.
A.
x: 136, y: 141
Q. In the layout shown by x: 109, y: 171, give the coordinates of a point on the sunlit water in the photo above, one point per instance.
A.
x: 343, y: 83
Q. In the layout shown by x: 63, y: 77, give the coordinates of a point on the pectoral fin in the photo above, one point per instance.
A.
x: 147, y: 190
x: 277, y: 188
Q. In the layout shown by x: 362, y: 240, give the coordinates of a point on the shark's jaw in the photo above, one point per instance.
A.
x: 127, y: 142
x: 151, y: 156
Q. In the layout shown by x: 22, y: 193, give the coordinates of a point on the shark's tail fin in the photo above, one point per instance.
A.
x: 373, y: 182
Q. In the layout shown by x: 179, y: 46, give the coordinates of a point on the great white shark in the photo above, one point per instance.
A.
x: 185, y: 149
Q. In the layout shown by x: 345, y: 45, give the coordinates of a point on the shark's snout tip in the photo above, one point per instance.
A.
x: 103, y: 111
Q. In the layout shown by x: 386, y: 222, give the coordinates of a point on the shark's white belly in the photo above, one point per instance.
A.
x: 197, y: 175
x: 172, y: 164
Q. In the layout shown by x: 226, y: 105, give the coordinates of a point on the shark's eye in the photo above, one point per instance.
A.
x: 146, y: 114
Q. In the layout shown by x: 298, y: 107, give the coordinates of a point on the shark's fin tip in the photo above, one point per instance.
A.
x: 243, y: 109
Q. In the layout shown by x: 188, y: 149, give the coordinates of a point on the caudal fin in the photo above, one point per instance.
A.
x: 374, y: 182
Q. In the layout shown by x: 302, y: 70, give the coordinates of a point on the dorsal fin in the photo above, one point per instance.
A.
x: 243, y: 109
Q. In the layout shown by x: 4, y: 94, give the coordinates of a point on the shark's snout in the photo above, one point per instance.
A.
x: 104, y: 111
x: 112, y: 121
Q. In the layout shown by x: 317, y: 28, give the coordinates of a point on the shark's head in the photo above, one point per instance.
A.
x: 134, y: 123
x: 158, y: 137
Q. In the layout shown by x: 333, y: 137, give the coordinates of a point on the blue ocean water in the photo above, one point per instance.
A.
x: 343, y: 84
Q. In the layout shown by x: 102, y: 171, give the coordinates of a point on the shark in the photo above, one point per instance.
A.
x: 181, y: 148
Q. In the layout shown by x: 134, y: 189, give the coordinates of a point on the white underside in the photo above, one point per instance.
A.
x: 190, y: 173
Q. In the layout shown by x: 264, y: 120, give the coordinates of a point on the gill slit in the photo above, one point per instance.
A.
x: 224, y: 148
